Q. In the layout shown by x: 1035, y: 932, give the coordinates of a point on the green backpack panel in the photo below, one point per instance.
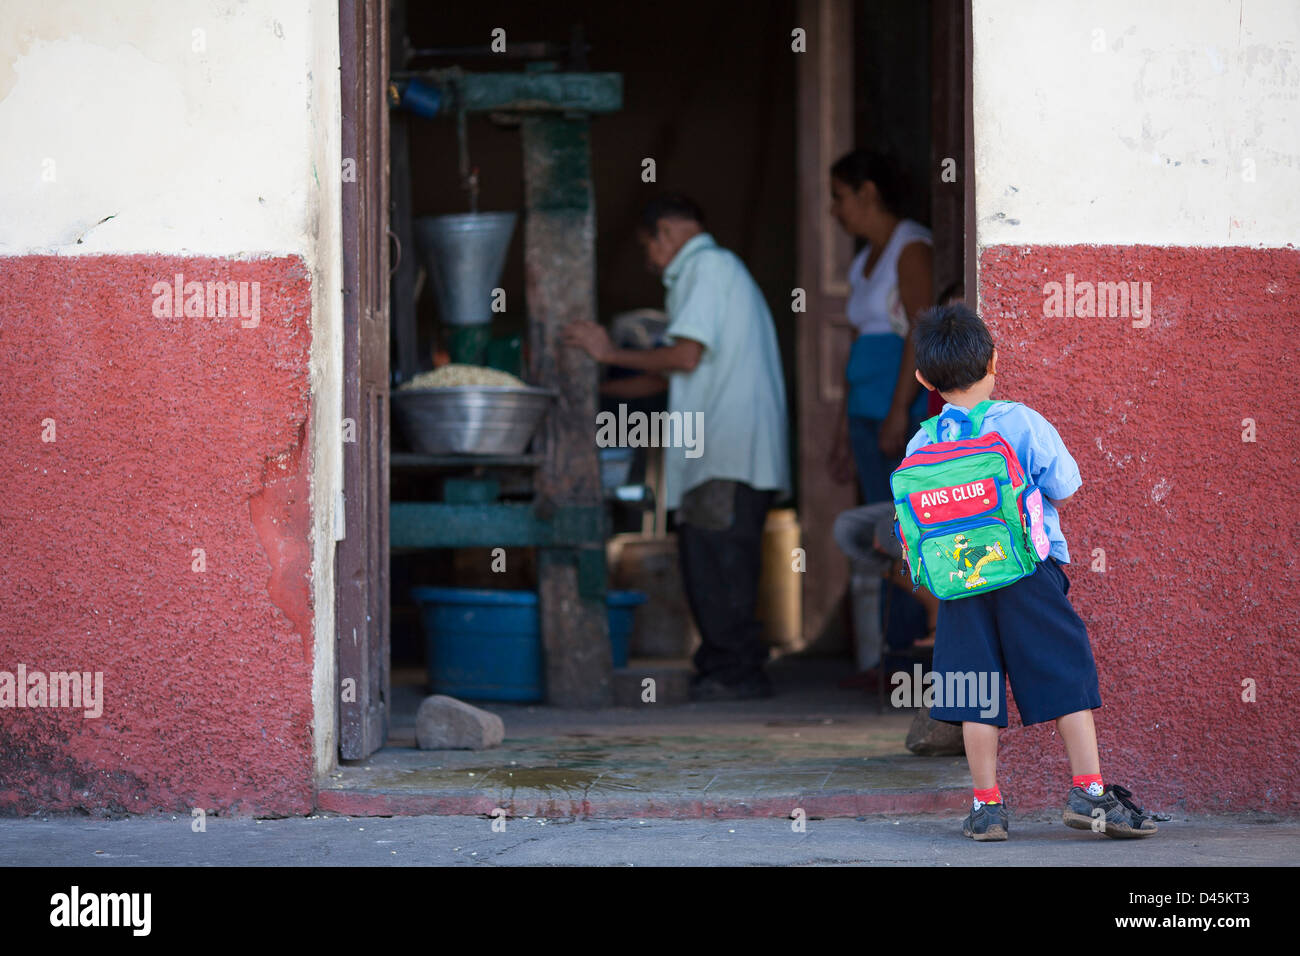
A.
x: 968, y: 518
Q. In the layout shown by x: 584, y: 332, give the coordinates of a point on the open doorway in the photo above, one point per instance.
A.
x: 892, y: 78
x: 730, y: 112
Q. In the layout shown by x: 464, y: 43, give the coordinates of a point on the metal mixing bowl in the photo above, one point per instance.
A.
x: 470, y: 419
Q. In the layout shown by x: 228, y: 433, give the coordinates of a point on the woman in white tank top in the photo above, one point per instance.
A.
x: 890, y: 285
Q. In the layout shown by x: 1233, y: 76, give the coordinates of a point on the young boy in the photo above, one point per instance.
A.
x: 1028, y: 629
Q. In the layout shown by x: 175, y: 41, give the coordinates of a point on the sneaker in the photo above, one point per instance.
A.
x: 711, y: 689
x: 987, y: 822
x: 1113, y: 813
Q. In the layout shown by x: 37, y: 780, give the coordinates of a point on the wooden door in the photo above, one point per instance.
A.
x: 361, y: 564
x: 951, y: 199
x: 825, y: 132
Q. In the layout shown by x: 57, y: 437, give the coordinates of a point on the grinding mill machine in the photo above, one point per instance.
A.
x: 565, y: 520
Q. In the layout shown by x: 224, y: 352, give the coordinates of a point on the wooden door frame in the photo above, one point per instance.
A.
x: 824, y: 123
x: 361, y: 562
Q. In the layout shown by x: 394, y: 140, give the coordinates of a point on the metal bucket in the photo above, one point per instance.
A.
x: 470, y: 419
x: 465, y: 255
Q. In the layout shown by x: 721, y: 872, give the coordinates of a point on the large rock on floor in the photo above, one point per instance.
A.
x: 445, y: 723
x: 933, y: 738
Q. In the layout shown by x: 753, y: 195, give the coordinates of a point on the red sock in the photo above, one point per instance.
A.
x: 1090, y: 782
x: 991, y: 795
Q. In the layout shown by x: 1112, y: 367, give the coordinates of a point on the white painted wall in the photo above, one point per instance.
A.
x: 201, y: 128
x: 199, y: 152
x: 1151, y: 139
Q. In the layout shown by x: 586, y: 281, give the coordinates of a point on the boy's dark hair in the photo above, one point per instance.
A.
x: 953, y: 347
x: 669, y: 206
x: 860, y: 166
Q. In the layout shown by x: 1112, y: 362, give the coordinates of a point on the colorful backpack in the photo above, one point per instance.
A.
x: 969, y: 520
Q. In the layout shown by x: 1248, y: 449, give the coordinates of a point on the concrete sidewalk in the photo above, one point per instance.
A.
x: 466, y: 841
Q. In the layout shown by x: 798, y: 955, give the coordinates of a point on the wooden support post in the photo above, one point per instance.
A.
x: 560, y: 278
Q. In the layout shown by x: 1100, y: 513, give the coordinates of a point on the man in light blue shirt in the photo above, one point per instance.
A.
x: 723, y: 372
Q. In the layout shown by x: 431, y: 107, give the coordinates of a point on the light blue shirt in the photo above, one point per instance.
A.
x: 737, y: 386
x: 1042, y: 455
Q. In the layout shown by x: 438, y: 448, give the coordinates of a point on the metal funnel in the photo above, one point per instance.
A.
x: 465, y: 255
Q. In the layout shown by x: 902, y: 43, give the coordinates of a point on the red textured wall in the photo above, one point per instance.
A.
x: 171, y: 434
x: 1199, y: 529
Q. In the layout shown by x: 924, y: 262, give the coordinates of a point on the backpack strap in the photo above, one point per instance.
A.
x: 968, y: 423
x: 976, y: 414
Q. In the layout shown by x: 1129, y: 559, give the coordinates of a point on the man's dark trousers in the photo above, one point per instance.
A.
x: 720, y: 546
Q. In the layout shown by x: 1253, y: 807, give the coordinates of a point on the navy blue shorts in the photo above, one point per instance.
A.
x: 1027, y: 633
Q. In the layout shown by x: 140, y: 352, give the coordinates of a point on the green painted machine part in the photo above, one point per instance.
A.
x: 578, y: 533
x: 470, y: 491
x: 468, y: 344
x: 534, y: 92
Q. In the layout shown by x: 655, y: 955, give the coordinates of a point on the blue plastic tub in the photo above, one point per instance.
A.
x: 486, y: 645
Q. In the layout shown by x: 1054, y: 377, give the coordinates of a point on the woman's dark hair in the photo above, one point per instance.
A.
x: 860, y: 166
x: 669, y: 206
x: 953, y: 347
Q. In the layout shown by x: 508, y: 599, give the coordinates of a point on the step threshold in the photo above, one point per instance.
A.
x: 413, y: 783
